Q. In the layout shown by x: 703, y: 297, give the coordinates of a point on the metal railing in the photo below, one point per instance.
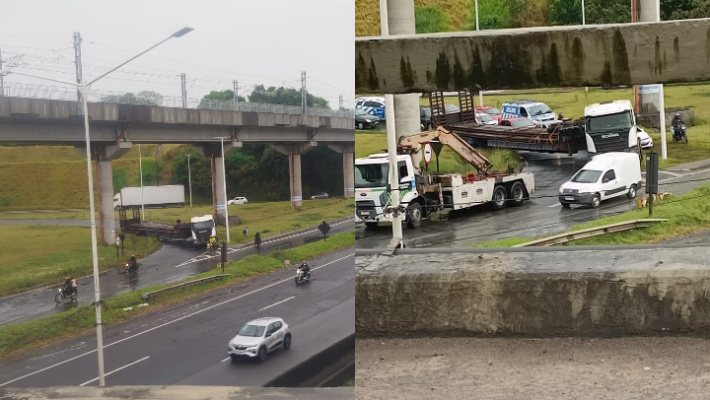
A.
x: 591, y: 232
x: 49, y: 92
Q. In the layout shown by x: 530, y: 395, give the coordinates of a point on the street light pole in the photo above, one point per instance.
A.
x: 224, y: 186
x: 140, y: 167
x: 189, y: 178
x: 84, y: 91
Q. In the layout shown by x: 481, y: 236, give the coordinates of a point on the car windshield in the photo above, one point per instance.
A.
x: 252, y: 330
x: 521, y: 122
x: 587, y: 176
x: 609, y: 122
x: 371, y: 175
x: 203, y: 225
x: 539, y: 109
x: 484, y: 117
x: 360, y: 111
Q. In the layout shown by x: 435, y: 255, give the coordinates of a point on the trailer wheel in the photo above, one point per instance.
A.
x: 498, y: 200
x: 414, y: 215
x: 517, y: 193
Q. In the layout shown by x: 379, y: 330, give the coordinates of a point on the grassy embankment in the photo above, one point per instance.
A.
x: 30, y: 334
x: 43, y: 255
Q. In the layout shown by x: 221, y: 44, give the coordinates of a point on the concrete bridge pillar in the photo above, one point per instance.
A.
x: 103, y: 154
x: 348, y: 152
x: 214, y: 151
x: 294, y: 151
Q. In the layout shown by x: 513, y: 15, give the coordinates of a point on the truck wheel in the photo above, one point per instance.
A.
x: 632, y: 192
x: 498, y: 200
x: 414, y: 215
x: 370, y: 225
x: 565, y: 205
x: 596, y: 200
x: 517, y: 194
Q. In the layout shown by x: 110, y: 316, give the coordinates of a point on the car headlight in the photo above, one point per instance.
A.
x: 368, y: 120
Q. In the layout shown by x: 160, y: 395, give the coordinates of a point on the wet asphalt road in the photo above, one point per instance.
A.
x: 187, y: 345
x: 541, y: 215
x: 169, y: 264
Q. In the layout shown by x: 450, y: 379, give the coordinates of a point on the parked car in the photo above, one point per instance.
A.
x: 320, y: 195
x: 372, y: 105
x: 492, y: 111
x: 451, y: 109
x: 258, y: 338
x: 644, y: 138
x: 237, y: 200
x: 485, y: 119
x: 516, y: 122
x: 364, y: 120
x: 425, y: 118
x: 539, y: 113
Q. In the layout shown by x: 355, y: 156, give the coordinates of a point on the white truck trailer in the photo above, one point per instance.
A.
x: 152, y: 196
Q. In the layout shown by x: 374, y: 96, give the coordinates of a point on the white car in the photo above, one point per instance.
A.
x: 237, y: 200
x: 258, y: 338
x: 644, y: 138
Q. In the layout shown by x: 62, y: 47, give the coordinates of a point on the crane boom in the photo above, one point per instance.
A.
x: 455, y: 142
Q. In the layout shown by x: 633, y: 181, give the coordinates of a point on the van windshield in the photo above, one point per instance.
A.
x: 371, y: 175
x: 609, y: 122
x: 586, y: 176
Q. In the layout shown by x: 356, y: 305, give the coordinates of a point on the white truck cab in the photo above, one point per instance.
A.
x: 611, y: 126
x: 606, y: 176
x: 372, y: 184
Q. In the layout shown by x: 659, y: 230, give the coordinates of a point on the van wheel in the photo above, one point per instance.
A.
x: 632, y: 192
x: 498, y: 200
x: 414, y: 215
x: 596, y: 200
x: 517, y: 194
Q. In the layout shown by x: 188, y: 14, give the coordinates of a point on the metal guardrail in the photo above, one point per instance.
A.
x: 154, y: 293
x: 591, y: 232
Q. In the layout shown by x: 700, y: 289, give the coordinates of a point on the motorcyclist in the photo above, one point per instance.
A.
x: 132, y: 263
x: 69, y: 285
x: 304, y: 267
x: 676, y: 124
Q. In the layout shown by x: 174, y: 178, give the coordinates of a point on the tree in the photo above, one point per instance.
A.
x: 285, y: 96
x: 607, y: 11
x: 696, y: 9
x: 144, y: 98
x: 566, y: 12
x: 218, y: 98
x: 674, y: 9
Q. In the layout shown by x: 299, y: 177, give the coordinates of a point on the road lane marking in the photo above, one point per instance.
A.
x: 169, y: 323
x: 116, y: 370
x: 225, y: 360
x: 324, y: 381
x: 554, y: 205
x: 277, y: 303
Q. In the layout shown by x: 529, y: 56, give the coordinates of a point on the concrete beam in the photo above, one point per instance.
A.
x: 214, y: 150
x: 552, y: 293
x: 348, y: 152
x: 294, y: 151
x: 177, y: 392
x: 593, y: 55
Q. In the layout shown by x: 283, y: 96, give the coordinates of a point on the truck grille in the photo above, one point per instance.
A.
x: 365, y: 208
x: 606, y: 144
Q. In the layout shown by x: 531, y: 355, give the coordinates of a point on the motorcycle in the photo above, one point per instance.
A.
x: 301, y: 276
x: 129, y: 269
x: 63, y: 295
x: 679, y: 134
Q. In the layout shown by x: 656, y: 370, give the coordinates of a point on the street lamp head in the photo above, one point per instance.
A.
x: 182, y: 32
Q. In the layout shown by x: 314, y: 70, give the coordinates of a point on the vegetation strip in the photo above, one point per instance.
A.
x: 120, y: 308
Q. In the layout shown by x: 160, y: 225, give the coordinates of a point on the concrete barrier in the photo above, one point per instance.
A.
x: 537, y: 294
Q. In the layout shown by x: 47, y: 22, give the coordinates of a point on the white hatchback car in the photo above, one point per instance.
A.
x: 260, y: 337
x: 237, y: 200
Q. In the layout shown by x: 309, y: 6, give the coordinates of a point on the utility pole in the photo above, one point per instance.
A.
x: 189, y: 178
x: 235, y: 83
x: 304, y: 98
x: 340, y: 102
x: 2, y: 86
x: 183, y: 86
x: 77, y: 63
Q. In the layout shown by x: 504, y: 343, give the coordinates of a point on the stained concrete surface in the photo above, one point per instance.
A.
x: 556, y: 293
x: 178, y: 393
x: 549, y: 369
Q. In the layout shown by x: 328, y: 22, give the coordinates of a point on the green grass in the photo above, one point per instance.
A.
x: 430, y: 19
x: 686, y: 215
x: 30, y: 334
x: 369, y: 142
x: 40, y: 255
x: 34, y: 215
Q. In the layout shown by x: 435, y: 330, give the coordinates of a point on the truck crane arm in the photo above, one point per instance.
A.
x: 468, y: 153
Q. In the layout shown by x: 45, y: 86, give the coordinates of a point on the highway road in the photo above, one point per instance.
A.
x: 169, y: 264
x: 541, y: 215
x: 187, y: 344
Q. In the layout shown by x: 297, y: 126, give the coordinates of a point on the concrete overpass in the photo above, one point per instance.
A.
x: 116, y: 127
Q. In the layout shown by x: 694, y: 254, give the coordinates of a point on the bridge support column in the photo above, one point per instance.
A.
x: 214, y: 151
x: 348, y: 152
x: 294, y: 151
x: 103, y: 154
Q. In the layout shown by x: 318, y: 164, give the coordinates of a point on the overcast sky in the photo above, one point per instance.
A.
x: 255, y: 41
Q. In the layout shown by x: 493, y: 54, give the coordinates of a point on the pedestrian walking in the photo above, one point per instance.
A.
x: 257, y: 243
x: 245, y: 231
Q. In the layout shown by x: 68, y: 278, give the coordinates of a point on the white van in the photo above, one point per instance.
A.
x: 607, y: 175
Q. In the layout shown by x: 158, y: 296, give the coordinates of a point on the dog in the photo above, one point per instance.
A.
x: 643, y: 201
